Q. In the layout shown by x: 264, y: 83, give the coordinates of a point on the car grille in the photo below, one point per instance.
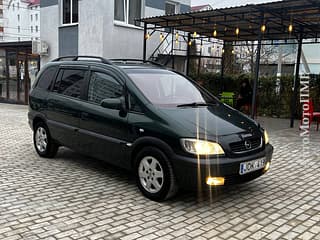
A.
x: 246, y: 145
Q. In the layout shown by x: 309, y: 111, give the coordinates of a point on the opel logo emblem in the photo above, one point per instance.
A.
x: 247, y: 144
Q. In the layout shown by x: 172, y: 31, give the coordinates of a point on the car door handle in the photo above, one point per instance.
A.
x: 85, y: 116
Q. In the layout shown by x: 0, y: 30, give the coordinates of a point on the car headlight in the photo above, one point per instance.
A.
x: 266, y: 137
x: 201, y: 147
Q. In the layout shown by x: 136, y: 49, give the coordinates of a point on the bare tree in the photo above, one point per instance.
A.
x: 246, y: 56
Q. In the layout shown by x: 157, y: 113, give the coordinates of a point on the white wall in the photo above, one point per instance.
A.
x: 50, y: 19
x: 99, y: 34
x: 185, y: 2
x: 123, y: 42
x: 91, y: 22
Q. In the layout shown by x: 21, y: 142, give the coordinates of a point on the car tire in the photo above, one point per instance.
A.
x: 43, y: 143
x: 154, y: 174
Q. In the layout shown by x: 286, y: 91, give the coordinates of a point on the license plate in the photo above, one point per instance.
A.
x: 247, y: 167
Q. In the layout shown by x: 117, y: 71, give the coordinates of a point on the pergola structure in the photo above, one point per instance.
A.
x: 280, y: 20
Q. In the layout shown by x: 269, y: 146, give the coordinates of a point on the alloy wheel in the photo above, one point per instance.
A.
x: 151, y: 174
x: 41, y: 139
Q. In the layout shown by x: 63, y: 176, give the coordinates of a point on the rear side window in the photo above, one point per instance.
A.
x: 102, y: 86
x: 46, y: 78
x: 70, y: 82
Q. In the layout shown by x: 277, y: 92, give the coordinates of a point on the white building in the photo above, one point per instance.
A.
x: 199, y: 8
x: 21, y: 20
x: 101, y: 27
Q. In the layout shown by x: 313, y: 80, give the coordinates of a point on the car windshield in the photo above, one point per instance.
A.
x: 166, y: 88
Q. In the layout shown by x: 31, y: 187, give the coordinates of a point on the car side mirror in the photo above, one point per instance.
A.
x: 114, y: 103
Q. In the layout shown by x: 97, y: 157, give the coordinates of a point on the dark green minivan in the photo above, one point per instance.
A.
x: 158, y: 123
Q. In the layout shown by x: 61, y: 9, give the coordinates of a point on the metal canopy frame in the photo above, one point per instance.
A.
x: 303, y: 17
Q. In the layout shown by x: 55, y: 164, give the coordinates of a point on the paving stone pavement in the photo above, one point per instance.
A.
x: 76, y: 197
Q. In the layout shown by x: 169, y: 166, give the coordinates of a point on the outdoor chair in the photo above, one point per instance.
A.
x: 311, y: 115
x: 228, y: 98
x: 315, y: 116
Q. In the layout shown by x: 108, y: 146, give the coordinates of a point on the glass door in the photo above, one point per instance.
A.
x: 12, y: 76
x: 21, y: 80
x: 33, y: 66
x: 28, y: 69
x: 3, y: 75
x: 18, y: 69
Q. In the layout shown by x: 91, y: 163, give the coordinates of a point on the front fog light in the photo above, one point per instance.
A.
x: 215, y: 181
x: 201, y: 147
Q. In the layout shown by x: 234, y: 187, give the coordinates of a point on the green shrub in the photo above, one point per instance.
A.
x: 270, y: 103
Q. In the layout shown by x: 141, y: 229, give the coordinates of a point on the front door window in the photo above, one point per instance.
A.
x: 103, y: 86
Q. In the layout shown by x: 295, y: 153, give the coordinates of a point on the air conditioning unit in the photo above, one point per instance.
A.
x: 40, y: 47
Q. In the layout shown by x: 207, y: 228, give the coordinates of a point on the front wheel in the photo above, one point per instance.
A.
x: 154, y: 173
x: 43, y: 142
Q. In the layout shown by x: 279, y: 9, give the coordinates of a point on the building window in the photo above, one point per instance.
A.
x: 31, y: 17
x: 70, y: 11
x: 171, y: 8
x: 36, y: 16
x: 18, y: 29
x: 18, y: 17
x: 32, y: 29
x: 127, y: 11
x: 37, y: 29
x: 13, y: 7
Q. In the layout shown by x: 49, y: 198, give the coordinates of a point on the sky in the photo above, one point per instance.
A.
x: 227, y: 3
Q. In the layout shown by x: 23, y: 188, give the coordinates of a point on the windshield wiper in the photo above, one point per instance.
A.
x: 196, y: 104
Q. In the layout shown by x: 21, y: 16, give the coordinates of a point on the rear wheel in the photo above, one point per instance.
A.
x: 154, y: 173
x: 43, y: 142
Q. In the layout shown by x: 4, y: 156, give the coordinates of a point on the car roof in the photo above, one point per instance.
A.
x: 138, y: 66
x: 93, y: 60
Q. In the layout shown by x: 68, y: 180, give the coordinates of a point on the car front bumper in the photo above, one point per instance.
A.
x: 191, y: 173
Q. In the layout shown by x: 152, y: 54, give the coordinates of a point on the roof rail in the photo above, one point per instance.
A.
x: 125, y: 61
x: 84, y: 58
